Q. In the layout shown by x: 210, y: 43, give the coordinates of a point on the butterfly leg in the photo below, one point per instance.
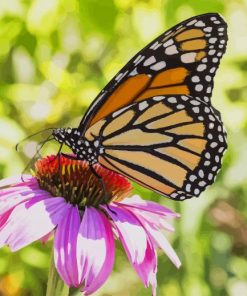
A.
x: 58, y: 156
x: 104, y: 188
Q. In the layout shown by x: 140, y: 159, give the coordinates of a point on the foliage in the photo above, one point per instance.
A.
x: 55, y: 56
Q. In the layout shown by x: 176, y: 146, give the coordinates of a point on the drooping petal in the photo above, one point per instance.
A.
x: 130, y: 231
x: 95, y: 250
x: 27, y: 224
x: 148, y: 268
x: 160, y: 240
x: 18, y: 179
x: 136, y: 243
x: 149, y: 206
x: 65, y: 247
x: 157, y: 221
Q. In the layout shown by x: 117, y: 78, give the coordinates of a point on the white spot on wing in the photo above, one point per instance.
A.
x: 116, y: 113
x: 158, y: 98
x: 188, y: 57
x: 172, y: 100
x: 208, y: 29
x: 192, y: 22
x: 155, y: 45
x: 212, y: 40
x: 168, y: 43
x: 120, y: 76
x: 143, y: 105
x: 133, y: 73
x: 158, y: 66
x: 200, y: 24
x: 171, y: 50
x: 149, y: 61
x: 201, y: 67
x: 195, y: 79
x: 139, y: 59
x: 199, y: 87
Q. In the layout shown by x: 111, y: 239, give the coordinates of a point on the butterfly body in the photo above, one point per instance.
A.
x: 81, y: 147
x: 154, y: 121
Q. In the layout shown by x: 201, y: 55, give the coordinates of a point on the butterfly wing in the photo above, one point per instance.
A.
x: 182, y: 60
x: 170, y: 144
x: 154, y: 121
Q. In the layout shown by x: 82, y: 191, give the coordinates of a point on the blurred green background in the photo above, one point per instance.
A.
x: 55, y: 56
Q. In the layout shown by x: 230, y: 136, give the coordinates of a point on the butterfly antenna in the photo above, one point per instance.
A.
x: 35, y: 155
x: 23, y: 140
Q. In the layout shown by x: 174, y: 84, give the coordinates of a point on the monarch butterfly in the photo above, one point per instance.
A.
x: 154, y: 122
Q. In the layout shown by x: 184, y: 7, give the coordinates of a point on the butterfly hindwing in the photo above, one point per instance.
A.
x: 170, y: 144
x: 181, y: 61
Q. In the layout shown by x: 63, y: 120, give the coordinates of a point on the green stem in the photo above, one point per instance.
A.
x: 55, y: 285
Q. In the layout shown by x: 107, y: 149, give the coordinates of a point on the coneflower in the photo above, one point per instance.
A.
x: 66, y: 199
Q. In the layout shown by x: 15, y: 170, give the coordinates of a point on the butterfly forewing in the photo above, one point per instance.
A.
x: 182, y: 60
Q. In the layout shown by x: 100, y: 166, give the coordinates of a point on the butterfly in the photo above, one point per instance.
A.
x: 154, y: 122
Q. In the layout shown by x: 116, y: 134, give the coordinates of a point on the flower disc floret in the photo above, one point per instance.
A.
x: 75, y: 181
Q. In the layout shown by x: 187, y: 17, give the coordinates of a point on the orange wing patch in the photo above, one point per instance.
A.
x: 195, y: 129
x: 170, y: 171
x: 136, y: 176
x: 189, y: 40
x: 162, y: 84
x: 194, y: 145
x: 190, y: 34
x: 122, y: 96
x: 194, y: 44
x: 138, y: 138
x: 174, y: 33
x: 169, y: 120
x: 94, y: 130
x: 119, y: 122
x: 170, y: 77
x: 154, y: 111
x: 173, y: 90
x: 141, y: 87
x: 187, y: 158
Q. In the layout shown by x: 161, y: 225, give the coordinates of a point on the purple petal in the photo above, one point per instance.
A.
x: 148, y: 268
x: 157, y: 221
x: 9, y: 201
x: 10, y: 197
x: 4, y: 217
x: 161, y: 241
x: 136, y: 243
x: 149, y: 206
x: 65, y: 247
x: 22, y: 179
x: 95, y: 250
x: 21, y: 189
x: 130, y: 231
x: 27, y: 224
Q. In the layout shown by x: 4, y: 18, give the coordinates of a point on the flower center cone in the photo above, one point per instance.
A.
x: 78, y: 184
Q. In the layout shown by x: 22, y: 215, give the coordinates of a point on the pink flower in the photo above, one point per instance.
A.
x: 68, y: 199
